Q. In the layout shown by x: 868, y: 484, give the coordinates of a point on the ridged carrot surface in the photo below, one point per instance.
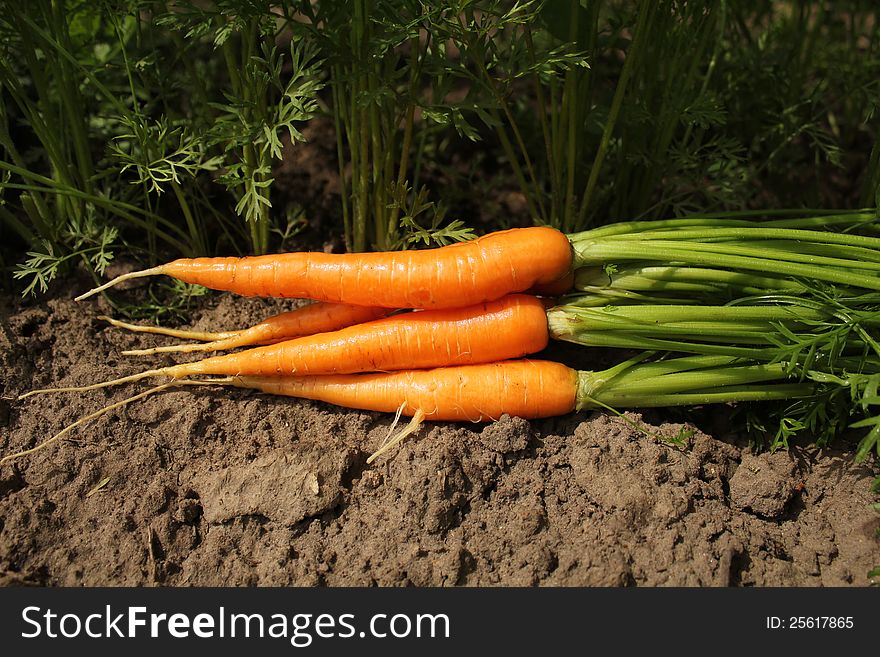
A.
x: 477, y: 393
x: 452, y: 276
x: 505, y: 328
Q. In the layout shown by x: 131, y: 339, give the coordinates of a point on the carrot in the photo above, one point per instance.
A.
x: 506, y: 328
x: 523, y: 388
x: 535, y: 389
x: 311, y: 319
x: 452, y: 276
x: 478, y: 393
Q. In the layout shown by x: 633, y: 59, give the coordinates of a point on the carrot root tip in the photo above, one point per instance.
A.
x: 91, y: 416
x: 152, y: 271
x: 95, y: 386
x: 106, y: 409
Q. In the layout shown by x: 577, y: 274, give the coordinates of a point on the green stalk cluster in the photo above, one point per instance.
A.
x: 766, y: 310
x: 686, y: 381
x: 369, y: 106
x: 390, y: 78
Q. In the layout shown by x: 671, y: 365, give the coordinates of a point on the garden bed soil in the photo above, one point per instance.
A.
x: 227, y: 487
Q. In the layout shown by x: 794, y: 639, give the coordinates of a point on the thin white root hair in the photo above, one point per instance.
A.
x: 93, y: 386
x: 204, y: 336
x: 394, y: 424
x: 152, y: 271
x: 390, y: 442
x: 173, y: 348
x: 91, y: 416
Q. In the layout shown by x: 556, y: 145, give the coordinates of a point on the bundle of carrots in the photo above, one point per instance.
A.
x: 728, y: 309
x: 458, y: 320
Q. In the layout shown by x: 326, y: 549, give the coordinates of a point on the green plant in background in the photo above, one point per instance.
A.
x: 799, y: 82
x: 583, y: 133
x: 390, y: 78
x: 672, y: 158
x: 501, y: 48
x: 107, y: 106
x: 269, y: 90
x: 160, y: 122
x: 373, y: 87
x: 251, y: 122
x: 617, y: 110
x: 64, y: 202
x: 158, y: 156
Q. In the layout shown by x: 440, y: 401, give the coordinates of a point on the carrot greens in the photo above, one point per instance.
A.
x: 793, y: 299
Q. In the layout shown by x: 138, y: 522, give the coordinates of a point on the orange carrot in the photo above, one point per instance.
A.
x: 311, y: 319
x: 510, y: 327
x: 524, y: 388
x: 452, y: 276
x: 478, y: 393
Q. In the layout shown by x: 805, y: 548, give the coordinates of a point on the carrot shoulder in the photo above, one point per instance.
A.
x: 457, y: 275
x: 477, y: 393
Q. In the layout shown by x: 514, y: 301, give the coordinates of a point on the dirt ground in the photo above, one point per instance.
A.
x: 226, y: 487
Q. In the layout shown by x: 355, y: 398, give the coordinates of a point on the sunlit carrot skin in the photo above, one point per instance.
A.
x: 452, y: 276
x: 310, y: 319
x: 510, y: 327
x: 477, y: 393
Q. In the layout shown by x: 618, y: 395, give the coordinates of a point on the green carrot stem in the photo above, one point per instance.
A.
x: 596, y: 252
x: 740, y: 234
x: 691, y: 381
x: 672, y: 365
x: 596, y: 297
x: 682, y: 313
x: 629, y: 340
x: 686, y: 381
x: 728, y: 395
x: 845, y: 251
x: 644, y: 249
x: 817, y: 219
x: 681, y: 278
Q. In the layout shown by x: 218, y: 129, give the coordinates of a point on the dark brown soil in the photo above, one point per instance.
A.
x: 225, y: 487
